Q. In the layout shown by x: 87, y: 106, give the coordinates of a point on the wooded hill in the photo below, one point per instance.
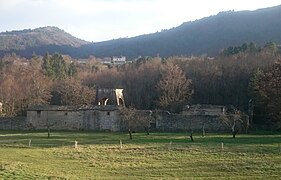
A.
x: 205, y: 36
x: 208, y: 36
x: 24, y: 39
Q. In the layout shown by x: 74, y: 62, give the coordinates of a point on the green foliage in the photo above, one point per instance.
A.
x: 271, y: 46
x: 55, y: 66
x: 251, y: 48
x: 48, y: 66
x: 72, y: 70
x: 59, y: 66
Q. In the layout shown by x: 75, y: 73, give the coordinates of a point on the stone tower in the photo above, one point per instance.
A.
x: 110, y: 97
x: 1, y: 108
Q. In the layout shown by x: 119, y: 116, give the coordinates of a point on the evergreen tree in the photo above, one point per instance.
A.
x: 47, y: 66
x: 59, y: 66
x: 54, y: 66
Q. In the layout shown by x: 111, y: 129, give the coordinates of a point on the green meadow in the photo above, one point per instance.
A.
x: 32, y: 155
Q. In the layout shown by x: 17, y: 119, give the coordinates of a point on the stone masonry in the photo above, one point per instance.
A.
x: 108, y: 118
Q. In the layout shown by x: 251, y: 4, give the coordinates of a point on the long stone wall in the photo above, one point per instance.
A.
x: 109, y: 119
x: 212, y: 123
x: 12, y: 123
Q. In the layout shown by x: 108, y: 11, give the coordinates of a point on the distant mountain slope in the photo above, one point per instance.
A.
x: 20, y: 40
x: 205, y: 36
x: 208, y: 35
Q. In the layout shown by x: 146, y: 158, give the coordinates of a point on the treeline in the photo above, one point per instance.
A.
x: 249, y: 48
x: 244, y: 79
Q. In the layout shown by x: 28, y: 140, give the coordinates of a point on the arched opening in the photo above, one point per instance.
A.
x: 103, y: 101
x: 121, y: 102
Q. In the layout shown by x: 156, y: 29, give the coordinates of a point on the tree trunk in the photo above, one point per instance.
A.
x: 247, y: 126
x: 233, y: 129
x: 203, y: 130
x: 49, y: 130
x: 234, y: 133
x: 146, y: 130
x: 130, y: 133
x: 191, y: 137
x: 48, y: 125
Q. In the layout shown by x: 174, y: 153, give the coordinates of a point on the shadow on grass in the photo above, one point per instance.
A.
x: 67, y: 138
x: 57, y: 138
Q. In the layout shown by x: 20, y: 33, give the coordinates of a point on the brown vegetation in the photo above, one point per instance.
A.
x: 148, y: 83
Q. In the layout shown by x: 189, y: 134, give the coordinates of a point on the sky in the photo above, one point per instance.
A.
x: 100, y: 20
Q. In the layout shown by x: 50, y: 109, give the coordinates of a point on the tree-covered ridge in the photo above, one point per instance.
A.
x: 21, y: 40
x: 204, y: 36
x: 208, y: 35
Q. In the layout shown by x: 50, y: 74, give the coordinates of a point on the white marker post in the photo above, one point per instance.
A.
x: 121, y: 144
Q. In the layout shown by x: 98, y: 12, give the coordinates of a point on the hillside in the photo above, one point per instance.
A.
x: 24, y: 39
x: 208, y: 35
x: 205, y: 36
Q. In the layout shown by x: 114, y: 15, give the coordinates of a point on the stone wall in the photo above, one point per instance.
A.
x: 212, y: 123
x: 79, y: 119
x: 108, y: 118
x: 12, y: 123
x: 64, y: 120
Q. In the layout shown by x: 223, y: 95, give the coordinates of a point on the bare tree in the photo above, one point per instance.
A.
x: 134, y: 120
x: 231, y: 119
x: 174, y: 88
x: 21, y: 86
x: 128, y: 116
x: 266, y: 88
x: 71, y: 91
x: 140, y: 81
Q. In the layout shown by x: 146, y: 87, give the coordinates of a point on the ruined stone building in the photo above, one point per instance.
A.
x: 106, y: 115
x: 110, y: 97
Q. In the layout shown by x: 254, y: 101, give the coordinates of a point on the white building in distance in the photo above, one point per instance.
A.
x: 118, y: 60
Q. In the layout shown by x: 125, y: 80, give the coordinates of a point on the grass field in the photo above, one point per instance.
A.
x: 156, y: 156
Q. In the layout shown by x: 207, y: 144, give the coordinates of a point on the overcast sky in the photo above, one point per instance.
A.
x: 98, y: 20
